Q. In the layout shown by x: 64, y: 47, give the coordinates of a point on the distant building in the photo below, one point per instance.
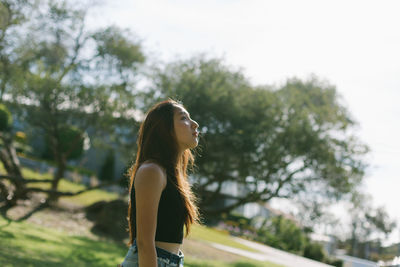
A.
x: 349, y: 261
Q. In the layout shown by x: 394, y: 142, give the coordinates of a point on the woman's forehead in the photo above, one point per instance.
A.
x: 179, y: 110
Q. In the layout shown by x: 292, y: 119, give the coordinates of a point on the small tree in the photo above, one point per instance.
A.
x: 107, y: 170
x: 71, y: 143
x: 282, y: 233
x: 314, y: 251
x: 72, y: 76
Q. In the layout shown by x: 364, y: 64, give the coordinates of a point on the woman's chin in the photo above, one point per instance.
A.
x: 194, y: 144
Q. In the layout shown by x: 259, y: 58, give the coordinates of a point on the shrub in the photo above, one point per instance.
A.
x: 282, y: 233
x: 107, y: 170
x: 5, y: 118
x: 314, y: 251
x: 68, y: 135
x: 334, y: 262
x: 20, y: 137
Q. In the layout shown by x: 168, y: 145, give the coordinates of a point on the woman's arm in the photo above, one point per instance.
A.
x: 150, y: 180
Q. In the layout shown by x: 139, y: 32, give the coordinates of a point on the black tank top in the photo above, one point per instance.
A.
x: 170, y: 215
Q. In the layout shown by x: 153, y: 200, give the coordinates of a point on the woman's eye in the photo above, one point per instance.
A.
x: 184, y: 117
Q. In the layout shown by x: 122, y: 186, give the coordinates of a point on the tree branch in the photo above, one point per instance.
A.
x: 78, y: 46
x: 256, y: 196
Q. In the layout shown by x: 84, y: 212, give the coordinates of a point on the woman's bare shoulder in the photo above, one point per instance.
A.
x: 150, y: 173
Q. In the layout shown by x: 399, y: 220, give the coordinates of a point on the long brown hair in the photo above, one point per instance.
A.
x: 157, y: 142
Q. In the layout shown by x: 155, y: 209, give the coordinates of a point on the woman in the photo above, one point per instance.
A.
x: 161, y: 201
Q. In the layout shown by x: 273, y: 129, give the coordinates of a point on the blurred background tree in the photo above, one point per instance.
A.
x: 14, y: 14
x: 67, y: 76
x: 293, y: 141
x: 71, y: 143
x: 369, y: 227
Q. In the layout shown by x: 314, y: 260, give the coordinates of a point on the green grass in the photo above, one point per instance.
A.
x: 84, y: 199
x: 28, y: 244
x: 217, y: 236
x: 244, y: 263
x: 87, y: 198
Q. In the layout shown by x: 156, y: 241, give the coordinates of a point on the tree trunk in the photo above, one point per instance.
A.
x: 354, y: 243
x: 3, y: 192
x: 61, y: 167
x: 8, y: 156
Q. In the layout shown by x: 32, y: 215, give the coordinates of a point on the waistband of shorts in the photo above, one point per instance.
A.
x: 165, y: 255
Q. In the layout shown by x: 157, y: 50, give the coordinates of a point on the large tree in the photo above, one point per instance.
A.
x: 70, y: 76
x: 292, y: 141
x: 14, y: 14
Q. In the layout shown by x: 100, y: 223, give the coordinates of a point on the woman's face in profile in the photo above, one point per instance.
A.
x: 185, y: 129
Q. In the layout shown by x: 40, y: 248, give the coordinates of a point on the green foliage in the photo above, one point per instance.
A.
x: 334, y: 262
x: 314, y: 251
x: 236, y: 225
x: 5, y: 118
x: 107, y: 169
x: 74, y: 77
x: 114, y: 46
x: 369, y: 226
x: 290, y: 141
x: 284, y: 234
x: 69, y: 142
x: 21, y: 143
x: 13, y: 13
x: 380, y: 220
x: 20, y: 137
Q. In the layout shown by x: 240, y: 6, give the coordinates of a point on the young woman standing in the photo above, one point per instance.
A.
x: 161, y: 200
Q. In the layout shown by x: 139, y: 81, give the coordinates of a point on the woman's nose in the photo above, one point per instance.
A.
x: 195, y: 124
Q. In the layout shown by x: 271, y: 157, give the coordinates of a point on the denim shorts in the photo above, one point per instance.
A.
x: 164, y: 258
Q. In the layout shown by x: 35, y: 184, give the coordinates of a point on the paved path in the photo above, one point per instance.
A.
x: 267, y: 253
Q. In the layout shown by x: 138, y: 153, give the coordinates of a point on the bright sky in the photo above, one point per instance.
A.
x: 355, y: 45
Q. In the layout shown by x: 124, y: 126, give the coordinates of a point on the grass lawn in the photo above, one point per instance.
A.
x: 26, y: 244
x: 29, y: 244
x: 216, y: 236
x: 85, y: 199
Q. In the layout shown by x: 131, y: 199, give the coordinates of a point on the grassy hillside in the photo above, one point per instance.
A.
x: 27, y: 244
x: 54, y: 238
